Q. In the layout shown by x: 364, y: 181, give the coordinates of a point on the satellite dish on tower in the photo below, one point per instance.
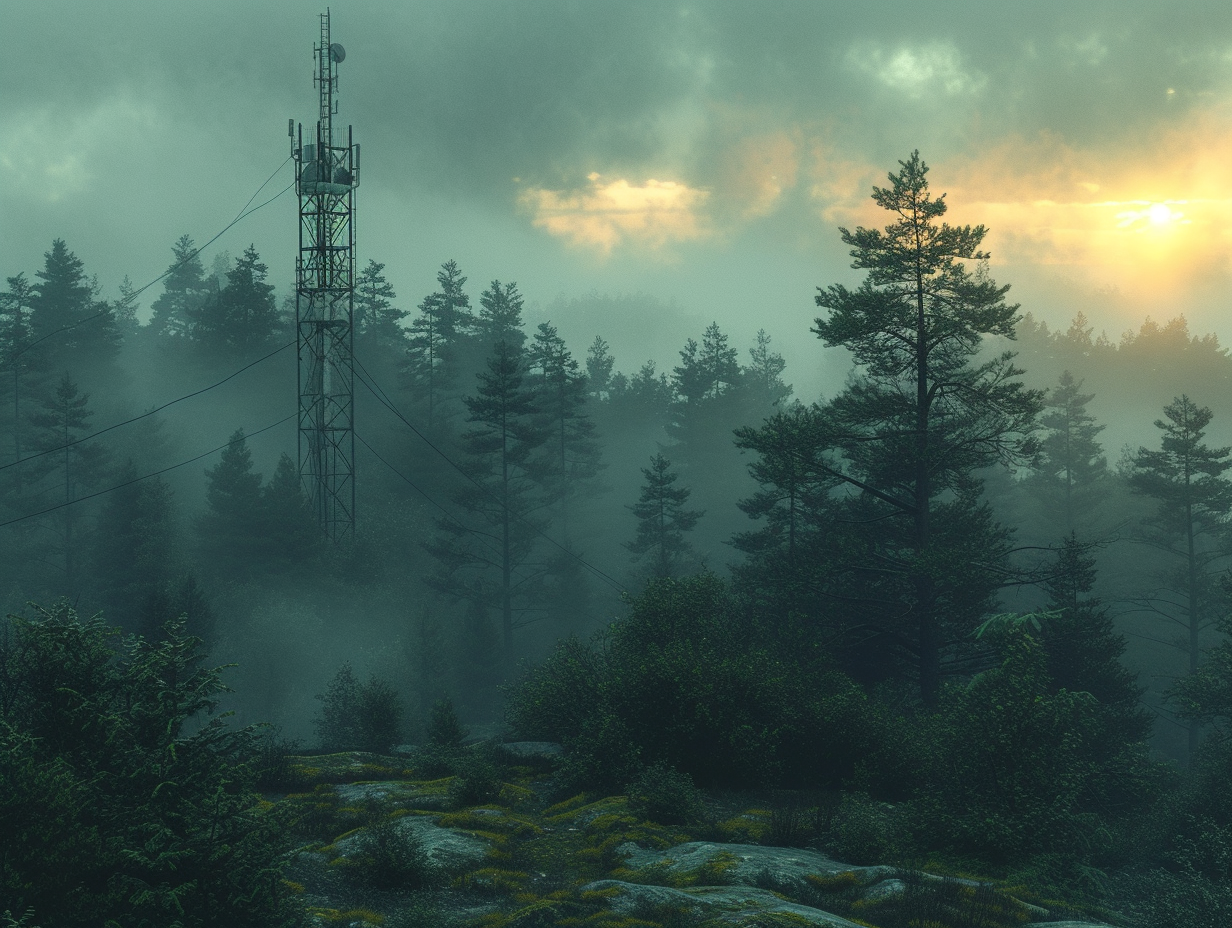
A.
x: 337, y: 52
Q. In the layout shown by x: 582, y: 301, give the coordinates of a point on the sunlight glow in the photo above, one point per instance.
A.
x: 608, y: 213
x: 1155, y: 215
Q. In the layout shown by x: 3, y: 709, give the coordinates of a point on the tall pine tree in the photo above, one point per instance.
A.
x: 924, y: 415
x: 1190, y: 526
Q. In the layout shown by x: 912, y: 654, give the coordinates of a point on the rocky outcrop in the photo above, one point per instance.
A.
x: 732, y: 904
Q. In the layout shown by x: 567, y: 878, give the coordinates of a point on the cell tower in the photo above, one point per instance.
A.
x: 327, y: 173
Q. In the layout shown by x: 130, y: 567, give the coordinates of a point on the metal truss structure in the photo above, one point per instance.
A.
x: 327, y: 173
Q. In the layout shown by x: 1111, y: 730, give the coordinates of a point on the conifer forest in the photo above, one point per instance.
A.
x: 899, y: 596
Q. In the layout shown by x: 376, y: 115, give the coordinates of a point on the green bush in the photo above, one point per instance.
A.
x: 444, y: 728
x: 390, y: 855
x: 1010, y: 769
x: 121, y: 801
x: 358, y: 717
x: 477, y: 780
x: 686, y: 681
x: 272, y: 762
x: 863, y: 831
x: 667, y: 796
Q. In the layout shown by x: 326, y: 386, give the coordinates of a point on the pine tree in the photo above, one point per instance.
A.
x: 1083, y: 655
x: 376, y: 319
x: 433, y: 345
x: 500, y: 316
x: 71, y: 468
x: 126, y: 309
x: 793, y: 490
x: 288, y: 529
x: 184, y: 290
x: 75, y: 330
x: 709, y: 370
x: 599, y: 364
x: 571, y: 454
x: 487, y: 560
x: 18, y: 363
x: 229, y: 529
x: 1072, y: 468
x: 662, y: 521
x: 763, y: 378
x: 137, y: 550
x: 1186, y: 477
x: 242, y: 318
x: 923, y: 418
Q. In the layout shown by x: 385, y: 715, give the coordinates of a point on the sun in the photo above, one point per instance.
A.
x: 1160, y: 214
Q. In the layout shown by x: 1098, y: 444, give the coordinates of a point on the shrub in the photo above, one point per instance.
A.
x: 862, y: 831
x: 1010, y: 767
x: 686, y: 681
x: 271, y: 763
x: 358, y: 717
x: 390, y: 855
x: 111, y: 811
x: 476, y: 781
x: 667, y: 796
x: 948, y: 903
x: 444, y: 728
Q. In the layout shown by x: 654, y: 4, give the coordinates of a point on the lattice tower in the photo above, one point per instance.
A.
x: 327, y: 173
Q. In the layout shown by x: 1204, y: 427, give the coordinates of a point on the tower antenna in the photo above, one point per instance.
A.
x: 327, y: 173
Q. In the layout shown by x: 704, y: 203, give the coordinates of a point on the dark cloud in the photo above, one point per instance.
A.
x: 124, y: 124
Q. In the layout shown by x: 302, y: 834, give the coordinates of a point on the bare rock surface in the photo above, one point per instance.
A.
x: 746, y: 863
x: 733, y: 904
x: 444, y: 846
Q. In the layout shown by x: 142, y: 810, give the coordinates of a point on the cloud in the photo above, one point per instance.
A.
x: 1147, y: 217
x: 756, y: 171
x: 50, y: 153
x: 916, y: 71
x: 608, y: 213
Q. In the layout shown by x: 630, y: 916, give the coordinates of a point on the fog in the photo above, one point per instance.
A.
x: 641, y: 172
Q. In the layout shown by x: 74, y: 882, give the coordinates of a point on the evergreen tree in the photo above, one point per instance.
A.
x: 763, y: 378
x: 288, y: 528
x: 599, y: 364
x: 444, y: 317
x: 16, y: 304
x: 708, y: 405
x: 454, y: 308
x: 1072, y: 468
x: 1083, y: 655
x: 242, y: 318
x: 571, y: 454
x: 662, y: 520
x: 126, y: 308
x: 74, y: 329
x: 709, y: 370
x: 500, y: 316
x: 70, y: 469
x: 1186, y: 477
x: 487, y: 560
x: 184, y: 291
x: 121, y: 801
x: 137, y: 552
x: 794, y: 489
x: 923, y: 418
x: 643, y: 399
x: 376, y: 319
x: 229, y: 529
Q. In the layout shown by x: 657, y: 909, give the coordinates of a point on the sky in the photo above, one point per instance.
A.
x: 701, y: 155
